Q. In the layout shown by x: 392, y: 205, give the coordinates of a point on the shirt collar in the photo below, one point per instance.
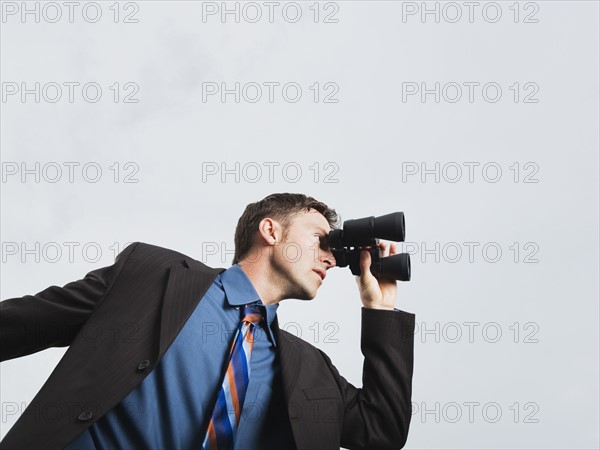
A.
x: 239, y: 291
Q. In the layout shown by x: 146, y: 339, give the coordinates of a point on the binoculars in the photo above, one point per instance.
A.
x: 346, y: 243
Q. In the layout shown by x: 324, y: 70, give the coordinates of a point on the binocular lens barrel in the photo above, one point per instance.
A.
x: 361, y: 232
x: 346, y: 242
x: 396, y: 267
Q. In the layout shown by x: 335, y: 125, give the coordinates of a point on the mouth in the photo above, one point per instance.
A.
x: 321, y: 273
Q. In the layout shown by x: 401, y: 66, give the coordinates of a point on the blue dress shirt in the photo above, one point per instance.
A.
x: 171, y: 405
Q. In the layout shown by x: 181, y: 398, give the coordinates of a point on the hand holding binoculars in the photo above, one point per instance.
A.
x: 346, y: 244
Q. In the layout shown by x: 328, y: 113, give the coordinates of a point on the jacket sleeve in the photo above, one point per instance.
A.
x: 377, y: 416
x: 53, y: 317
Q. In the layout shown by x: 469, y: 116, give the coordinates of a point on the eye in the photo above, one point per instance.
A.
x: 323, y: 242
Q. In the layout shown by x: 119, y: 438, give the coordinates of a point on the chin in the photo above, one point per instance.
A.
x: 312, y: 295
x: 306, y: 294
x: 303, y: 289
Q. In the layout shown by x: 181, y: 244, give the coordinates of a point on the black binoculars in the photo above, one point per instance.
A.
x: 346, y: 243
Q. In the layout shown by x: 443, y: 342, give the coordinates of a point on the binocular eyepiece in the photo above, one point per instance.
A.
x: 346, y: 243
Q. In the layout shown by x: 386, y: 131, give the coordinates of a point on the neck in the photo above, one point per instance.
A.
x: 261, y: 278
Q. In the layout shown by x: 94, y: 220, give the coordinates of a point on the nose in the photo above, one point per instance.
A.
x: 329, y: 259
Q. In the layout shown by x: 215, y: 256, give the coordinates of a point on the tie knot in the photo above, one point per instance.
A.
x: 253, y: 313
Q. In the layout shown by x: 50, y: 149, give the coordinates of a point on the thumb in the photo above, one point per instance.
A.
x: 365, y: 264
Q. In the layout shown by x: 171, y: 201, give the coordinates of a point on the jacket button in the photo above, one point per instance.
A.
x: 85, y: 416
x: 143, y: 365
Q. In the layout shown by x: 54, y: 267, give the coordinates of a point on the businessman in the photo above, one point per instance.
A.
x: 183, y: 355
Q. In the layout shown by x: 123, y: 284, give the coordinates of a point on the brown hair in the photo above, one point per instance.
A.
x: 281, y: 207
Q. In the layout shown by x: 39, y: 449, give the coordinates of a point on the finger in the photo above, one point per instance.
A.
x: 393, y: 248
x: 364, y: 264
x: 384, y: 248
x: 365, y: 260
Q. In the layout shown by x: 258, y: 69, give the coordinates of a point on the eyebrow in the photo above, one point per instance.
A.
x: 322, y: 230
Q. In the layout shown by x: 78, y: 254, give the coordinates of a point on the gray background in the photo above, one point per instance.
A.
x: 547, y: 372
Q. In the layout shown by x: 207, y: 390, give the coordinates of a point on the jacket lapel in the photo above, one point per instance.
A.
x: 186, y: 285
x: 290, y: 357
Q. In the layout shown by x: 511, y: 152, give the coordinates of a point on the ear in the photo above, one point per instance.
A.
x: 270, y: 230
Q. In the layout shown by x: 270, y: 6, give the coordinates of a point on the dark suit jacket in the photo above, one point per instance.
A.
x: 119, y: 321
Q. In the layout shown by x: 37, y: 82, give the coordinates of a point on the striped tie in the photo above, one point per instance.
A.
x: 226, y: 414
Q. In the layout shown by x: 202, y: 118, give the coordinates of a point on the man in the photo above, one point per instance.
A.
x: 163, y: 368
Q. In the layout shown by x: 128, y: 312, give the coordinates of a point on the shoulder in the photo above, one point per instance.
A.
x: 143, y: 252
